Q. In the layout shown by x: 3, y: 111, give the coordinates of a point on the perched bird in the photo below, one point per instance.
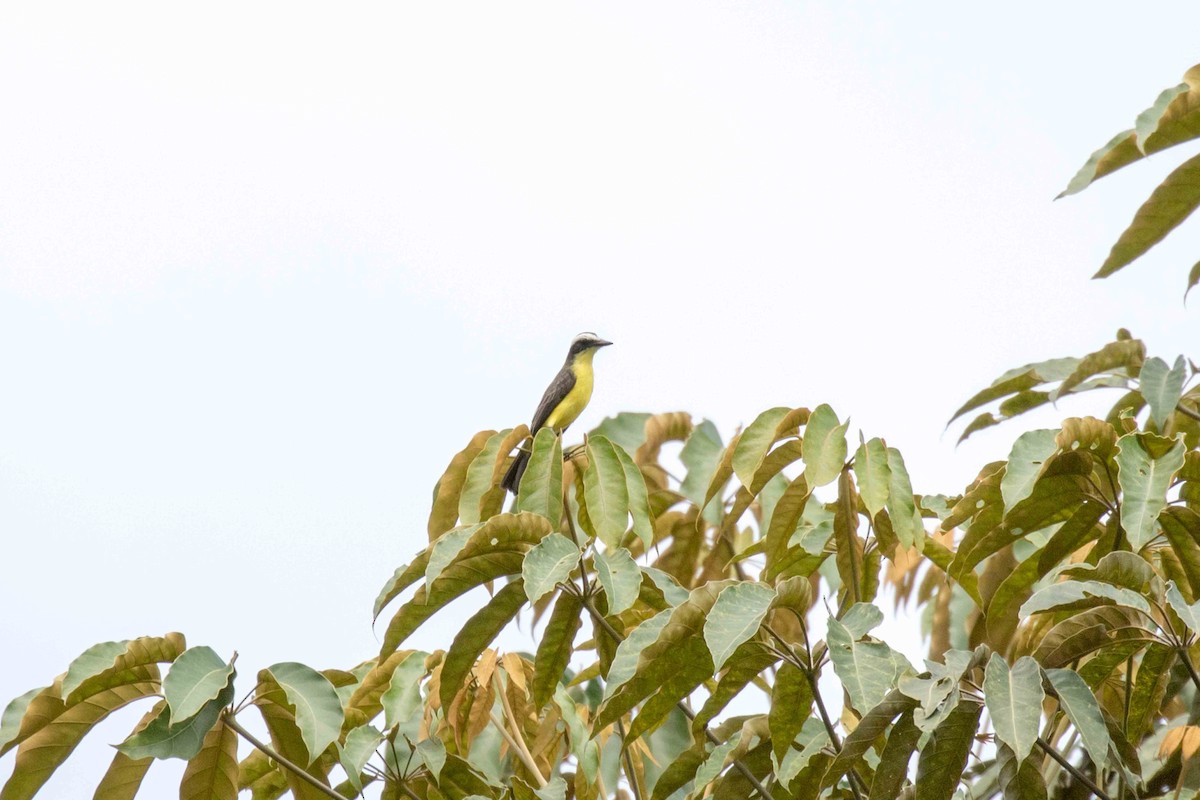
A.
x: 564, y: 400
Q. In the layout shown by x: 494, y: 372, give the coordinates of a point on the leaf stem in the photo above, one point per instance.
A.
x: 1071, y: 768
x: 516, y: 740
x: 299, y: 771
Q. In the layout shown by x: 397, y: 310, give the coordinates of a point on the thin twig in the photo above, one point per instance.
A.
x: 629, y: 770
x: 1071, y: 768
x: 517, y: 740
x: 283, y: 762
x: 857, y: 784
x: 1187, y: 662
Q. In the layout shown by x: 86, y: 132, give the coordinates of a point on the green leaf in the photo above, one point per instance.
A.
x: 1193, y: 279
x: 196, y: 677
x: 1025, y: 461
x: 555, y: 648
x: 357, y: 751
x: 495, y: 550
x: 864, y: 735
x: 213, y: 773
x: 1169, y: 204
x: 1182, y: 529
x: 606, y: 491
x: 1082, y: 634
x: 824, y: 446
x: 680, y: 772
x: 480, y: 478
x: 45, y: 743
x: 1123, y: 354
x: 938, y: 694
x: 747, y: 663
x: 547, y: 564
x: 586, y: 751
x: 1149, y: 688
x: 163, y: 738
x: 318, y: 710
x: 625, y: 662
x: 944, y: 757
x: 124, y: 776
x: 874, y: 475
x: 849, y: 546
x: 1120, y: 568
x: 10, y: 721
x: 1189, y: 614
x: 901, y: 505
x: 449, y: 488
x: 669, y: 663
x: 755, y: 442
x: 1080, y: 594
x: 1014, y: 701
x: 639, y: 502
x: 1146, y: 463
x: 1019, y: 779
x: 868, y: 670
x: 811, y: 740
x: 555, y: 789
x: 401, y: 700
x: 478, y: 632
x: 893, y: 761
x: 627, y: 429
x: 1081, y: 707
x: 621, y: 578
x: 735, y: 618
x: 1162, y: 387
x: 540, y: 491
x: 432, y: 753
x: 715, y: 763
x: 91, y: 662
x: 445, y: 550
x: 670, y: 588
x: 700, y: 455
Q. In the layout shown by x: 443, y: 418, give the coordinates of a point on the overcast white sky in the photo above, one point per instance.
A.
x: 265, y: 267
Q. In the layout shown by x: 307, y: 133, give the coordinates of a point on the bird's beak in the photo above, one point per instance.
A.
x: 602, y: 343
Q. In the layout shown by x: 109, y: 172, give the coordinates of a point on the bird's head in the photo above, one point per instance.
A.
x: 584, y: 342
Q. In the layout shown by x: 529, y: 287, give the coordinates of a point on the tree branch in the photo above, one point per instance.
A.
x: 291, y: 766
x: 1071, y: 768
x: 516, y: 740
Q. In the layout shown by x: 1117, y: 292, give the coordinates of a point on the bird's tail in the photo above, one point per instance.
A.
x: 512, y: 478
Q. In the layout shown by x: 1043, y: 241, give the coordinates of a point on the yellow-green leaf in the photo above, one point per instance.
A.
x: 39, y: 755
x: 824, y: 446
x: 317, y: 710
x: 541, y: 485
x: 1146, y: 463
x: 735, y: 618
x: 547, y: 564
x: 125, y: 774
x: 213, y: 773
x: 476, y: 634
x: 1169, y: 204
x: 606, y: 491
x: 754, y: 443
x: 449, y: 488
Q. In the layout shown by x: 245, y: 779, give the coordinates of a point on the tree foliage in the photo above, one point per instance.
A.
x: 691, y: 614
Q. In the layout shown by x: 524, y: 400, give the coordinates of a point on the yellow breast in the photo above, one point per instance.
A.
x: 577, y: 399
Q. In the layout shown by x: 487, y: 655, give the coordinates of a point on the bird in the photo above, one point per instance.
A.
x: 565, y: 398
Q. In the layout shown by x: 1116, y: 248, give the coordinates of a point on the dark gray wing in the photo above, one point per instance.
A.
x: 563, y: 383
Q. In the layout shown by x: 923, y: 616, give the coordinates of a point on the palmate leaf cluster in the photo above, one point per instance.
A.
x: 703, y: 615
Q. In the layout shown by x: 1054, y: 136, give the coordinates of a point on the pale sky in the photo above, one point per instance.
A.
x: 265, y: 268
